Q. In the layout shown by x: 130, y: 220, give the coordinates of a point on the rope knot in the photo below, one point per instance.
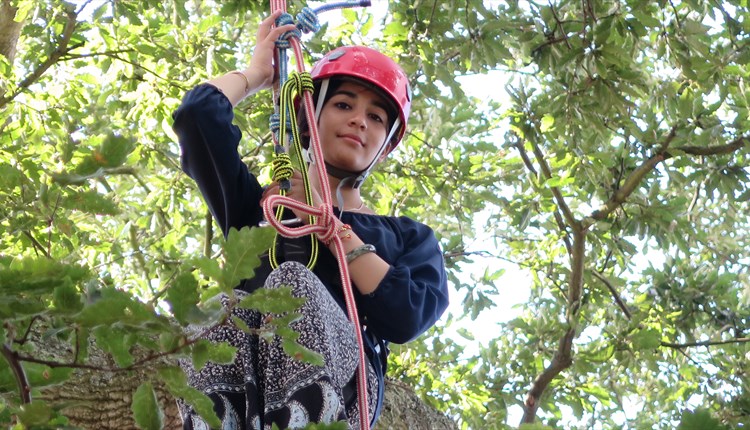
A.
x: 283, y: 41
x: 308, y: 21
x: 330, y: 223
x: 282, y: 170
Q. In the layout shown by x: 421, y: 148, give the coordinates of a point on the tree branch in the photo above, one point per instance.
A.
x: 10, y: 29
x: 634, y: 179
x: 62, y: 49
x: 558, y: 218
x: 567, y: 213
x: 563, y: 357
x: 706, y: 343
x: 729, y: 148
x: 615, y: 294
x: 137, y: 364
x: 631, y: 183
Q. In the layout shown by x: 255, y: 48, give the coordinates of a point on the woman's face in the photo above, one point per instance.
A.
x: 353, y: 126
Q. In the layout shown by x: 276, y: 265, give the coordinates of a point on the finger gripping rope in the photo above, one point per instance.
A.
x: 283, y: 40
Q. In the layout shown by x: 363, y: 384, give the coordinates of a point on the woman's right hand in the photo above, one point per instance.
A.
x: 261, y: 71
x: 297, y: 193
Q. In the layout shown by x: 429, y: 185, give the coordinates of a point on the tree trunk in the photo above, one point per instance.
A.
x: 101, y: 400
x: 9, y: 30
x: 403, y: 409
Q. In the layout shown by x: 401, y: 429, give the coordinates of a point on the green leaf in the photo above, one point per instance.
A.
x: 145, y: 407
x: 176, y: 383
x: 105, y: 311
x: 114, y: 151
x: 548, y: 123
x: 272, y: 300
x: 204, y: 351
x: 91, y: 202
x: 183, y: 296
x: 40, y: 375
x: 534, y: 426
x: 241, y: 254
x: 67, y: 299
x: 699, y: 420
x: 115, y: 341
x: 647, y: 339
x: 300, y: 353
x: 10, y: 177
x: 35, y: 413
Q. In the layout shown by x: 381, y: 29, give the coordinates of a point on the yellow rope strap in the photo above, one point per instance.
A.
x: 282, y: 163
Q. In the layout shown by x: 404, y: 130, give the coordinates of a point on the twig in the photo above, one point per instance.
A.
x: 614, y: 293
x: 21, y: 380
x: 688, y: 356
x: 485, y: 254
x: 560, y: 24
x: 37, y: 245
x: 28, y: 331
x: 51, y: 222
x: 676, y: 15
x: 556, y: 214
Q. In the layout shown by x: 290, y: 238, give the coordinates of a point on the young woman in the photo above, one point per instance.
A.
x: 395, y: 263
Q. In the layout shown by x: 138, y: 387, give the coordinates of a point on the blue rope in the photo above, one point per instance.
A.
x: 342, y: 5
x: 274, y: 123
x: 308, y: 21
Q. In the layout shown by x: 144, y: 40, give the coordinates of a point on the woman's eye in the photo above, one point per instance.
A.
x: 342, y: 105
x: 376, y: 117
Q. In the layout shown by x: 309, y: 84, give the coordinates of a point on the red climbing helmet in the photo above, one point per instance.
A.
x: 372, y: 67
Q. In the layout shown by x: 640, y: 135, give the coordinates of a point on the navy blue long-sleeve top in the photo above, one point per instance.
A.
x: 413, y: 294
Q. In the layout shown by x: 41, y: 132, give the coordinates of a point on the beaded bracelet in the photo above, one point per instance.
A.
x: 359, y: 251
x: 345, y: 228
x: 244, y: 76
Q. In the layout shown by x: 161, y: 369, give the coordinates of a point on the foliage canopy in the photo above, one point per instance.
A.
x: 615, y: 173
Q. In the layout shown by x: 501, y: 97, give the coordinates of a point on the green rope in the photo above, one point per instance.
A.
x: 297, y: 83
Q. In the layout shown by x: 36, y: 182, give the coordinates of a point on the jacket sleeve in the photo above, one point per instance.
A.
x: 414, y: 293
x: 208, y: 143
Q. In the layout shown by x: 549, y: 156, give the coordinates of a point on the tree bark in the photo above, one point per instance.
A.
x: 403, y: 409
x: 10, y: 30
x: 101, y: 400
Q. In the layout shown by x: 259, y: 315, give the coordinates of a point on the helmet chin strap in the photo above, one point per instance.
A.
x: 345, y: 176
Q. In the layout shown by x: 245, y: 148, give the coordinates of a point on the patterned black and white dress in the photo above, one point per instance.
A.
x: 264, y: 385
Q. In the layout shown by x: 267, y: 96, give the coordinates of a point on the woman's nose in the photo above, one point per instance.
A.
x: 358, y: 120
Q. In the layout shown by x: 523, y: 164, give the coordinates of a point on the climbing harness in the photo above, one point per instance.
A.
x: 322, y: 221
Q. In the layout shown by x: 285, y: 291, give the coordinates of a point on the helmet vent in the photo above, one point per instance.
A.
x: 336, y: 55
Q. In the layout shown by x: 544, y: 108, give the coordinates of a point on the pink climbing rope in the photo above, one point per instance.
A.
x: 326, y: 225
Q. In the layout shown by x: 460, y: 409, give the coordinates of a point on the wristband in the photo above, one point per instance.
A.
x: 359, y: 251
